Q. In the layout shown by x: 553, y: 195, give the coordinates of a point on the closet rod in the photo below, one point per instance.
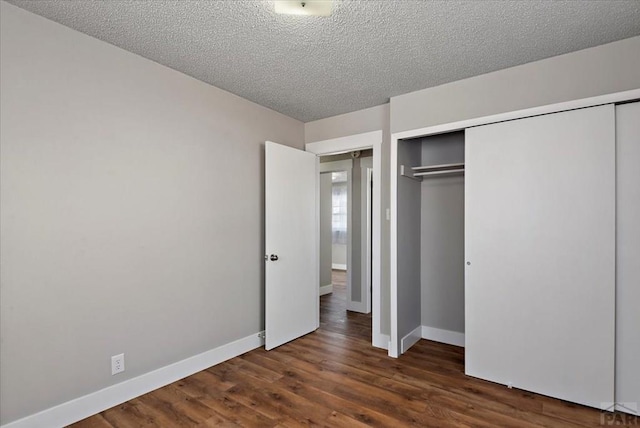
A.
x: 417, y: 172
x: 405, y: 172
x: 445, y: 166
x: 440, y: 172
x: 426, y: 171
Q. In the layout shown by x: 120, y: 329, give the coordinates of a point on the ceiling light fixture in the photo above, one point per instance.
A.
x: 307, y: 7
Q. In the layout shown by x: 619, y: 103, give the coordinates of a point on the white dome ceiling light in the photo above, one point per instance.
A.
x: 307, y: 7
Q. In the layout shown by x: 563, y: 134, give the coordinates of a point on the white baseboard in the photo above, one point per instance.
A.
x: 326, y: 289
x: 410, y: 339
x: 360, y: 307
x: 338, y: 266
x: 90, y: 404
x: 381, y: 341
x: 443, y: 336
x: 630, y: 408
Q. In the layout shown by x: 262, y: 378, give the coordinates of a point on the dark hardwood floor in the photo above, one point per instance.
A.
x: 333, y: 312
x: 334, y: 377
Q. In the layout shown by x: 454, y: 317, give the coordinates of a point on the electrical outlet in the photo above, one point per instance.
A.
x: 117, y: 364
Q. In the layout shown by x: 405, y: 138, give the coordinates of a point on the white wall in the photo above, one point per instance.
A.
x: 131, y: 213
x: 600, y: 70
x: 366, y: 120
x: 339, y: 255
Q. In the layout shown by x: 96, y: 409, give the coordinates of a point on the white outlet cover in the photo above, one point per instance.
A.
x: 117, y: 364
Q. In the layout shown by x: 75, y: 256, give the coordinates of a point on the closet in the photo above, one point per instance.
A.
x: 431, y: 238
x: 506, y: 233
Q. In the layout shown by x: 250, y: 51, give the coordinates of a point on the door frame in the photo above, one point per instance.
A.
x: 367, y: 140
x: 366, y: 177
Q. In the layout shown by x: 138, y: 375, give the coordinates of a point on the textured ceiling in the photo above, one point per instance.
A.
x: 366, y: 52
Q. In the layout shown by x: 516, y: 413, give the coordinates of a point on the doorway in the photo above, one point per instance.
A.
x: 369, y: 295
x: 345, y: 242
x: 345, y: 225
x: 335, y: 205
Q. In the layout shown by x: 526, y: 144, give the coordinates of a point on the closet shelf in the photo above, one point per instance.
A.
x: 430, y: 170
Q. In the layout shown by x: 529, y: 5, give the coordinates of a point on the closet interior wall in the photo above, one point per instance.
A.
x: 442, y: 236
x: 408, y: 247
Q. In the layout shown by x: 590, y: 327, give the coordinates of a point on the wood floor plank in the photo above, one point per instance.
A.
x: 337, y: 419
x: 348, y: 408
x: 237, y: 413
x: 283, y: 402
x: 203, y: 384
x: 163, y: 412
x: 217, y: 421
x: 254, y: 370
x: 127, y: 415
x: 334, y: 377
x: 306, y: 383
x: 97, y: 421
x: 223, y: 403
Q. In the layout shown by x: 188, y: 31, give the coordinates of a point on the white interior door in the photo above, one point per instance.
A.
x: 291, y: 244
x: 540, y: 252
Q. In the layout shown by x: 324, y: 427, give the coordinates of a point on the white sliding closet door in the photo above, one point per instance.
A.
x: 628, y: 254
x: 540, y: 251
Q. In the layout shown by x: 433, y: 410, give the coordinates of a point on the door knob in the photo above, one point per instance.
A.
x: 273, y: 257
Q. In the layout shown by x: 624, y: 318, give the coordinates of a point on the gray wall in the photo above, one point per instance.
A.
x: 357, y: 256
x: 131, y: 213
x: 595, y: 71
x: 442, y: 236
x: 325, y: 229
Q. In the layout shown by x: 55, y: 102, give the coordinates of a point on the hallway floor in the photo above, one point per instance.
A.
x: 333, y: 311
